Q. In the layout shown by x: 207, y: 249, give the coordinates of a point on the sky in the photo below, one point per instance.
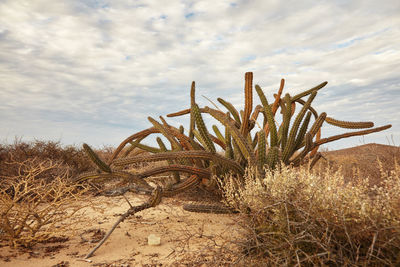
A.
x: 93, y: 71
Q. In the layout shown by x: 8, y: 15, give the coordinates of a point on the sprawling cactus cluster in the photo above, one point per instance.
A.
x: 252, y: 137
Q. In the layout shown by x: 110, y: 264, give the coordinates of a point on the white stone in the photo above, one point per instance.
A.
x: 153, y: 240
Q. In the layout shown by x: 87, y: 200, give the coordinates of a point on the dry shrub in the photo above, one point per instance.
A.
x: 296, y: 217
x: 34, y: 208
x: 20, y: 151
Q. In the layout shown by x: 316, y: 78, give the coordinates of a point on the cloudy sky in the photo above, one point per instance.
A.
x: 93, y: 71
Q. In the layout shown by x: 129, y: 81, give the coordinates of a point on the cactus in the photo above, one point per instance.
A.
x: 242, y: 145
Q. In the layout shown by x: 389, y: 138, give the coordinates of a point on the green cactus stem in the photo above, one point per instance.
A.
x: 245, y: 148
x: 307, y: 92
x: 202, y: 129
x: 291, y: 142
x: 231, y: 109
x: 96, y: 160
x: 261, y: 156
x: 286, y: 121
x: 269, y: 115
x: 163, y: 148
x: 302, y: 132
x: 349, y: 124
x: 248, y: 103
x: 166, y: 133
x: 192, y: 103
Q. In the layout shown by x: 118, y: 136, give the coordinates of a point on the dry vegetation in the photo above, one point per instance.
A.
x: 344, y: 213
x: 294, y: 217
x: 36, y: 193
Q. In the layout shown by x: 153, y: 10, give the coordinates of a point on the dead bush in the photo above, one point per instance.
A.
x: 72, y: 156
x: 34, y: 208
x: 294, y: 217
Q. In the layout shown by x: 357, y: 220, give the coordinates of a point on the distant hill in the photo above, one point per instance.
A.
x: 373, y: 148
x: 363, y: 160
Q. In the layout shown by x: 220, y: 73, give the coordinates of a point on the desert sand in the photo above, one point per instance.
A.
x: 185, y: 237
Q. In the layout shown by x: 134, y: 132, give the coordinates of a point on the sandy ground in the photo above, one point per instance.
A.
x: 185, y: 237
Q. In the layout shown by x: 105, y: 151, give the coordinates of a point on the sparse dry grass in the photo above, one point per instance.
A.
x: 294, y: 217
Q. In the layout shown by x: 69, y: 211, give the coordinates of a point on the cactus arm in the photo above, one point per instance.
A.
x: 192, y: 103
x: 302, y: 131
x: 163, y: 148
x: 315, y: 149
x: 202, y: 128
x: 96, y: 160
x: 309, y: 91
x: 349, y: 124
x: 194, y: 154
x: 270, y: 117
x: 132, y: 146
x: 290, y: 145
x: 218, y: 133
x: 309, y: 145
x: 179, y: 113
x: 231, y: 109
x: 275, y: 105
x: 241, y: 141
x: 272, y: 158
x: 228, y: 141
x: 261, y: 156
x: 199, y: 138
x: 164, y: 131
x: 148, y: 148
x: 315, y: 113
x: 317, y: 124
x: 286, y: 121
x: 184, y: 141
x: 278, y: 97
x: 254, y: 142
x: 248, y: 103
x: 346, y: 135
x: 141, y: 134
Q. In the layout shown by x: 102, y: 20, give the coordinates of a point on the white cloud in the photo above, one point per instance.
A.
x: 71, y: 65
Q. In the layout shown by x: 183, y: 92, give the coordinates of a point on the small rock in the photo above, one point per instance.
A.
x: 153, y: 240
